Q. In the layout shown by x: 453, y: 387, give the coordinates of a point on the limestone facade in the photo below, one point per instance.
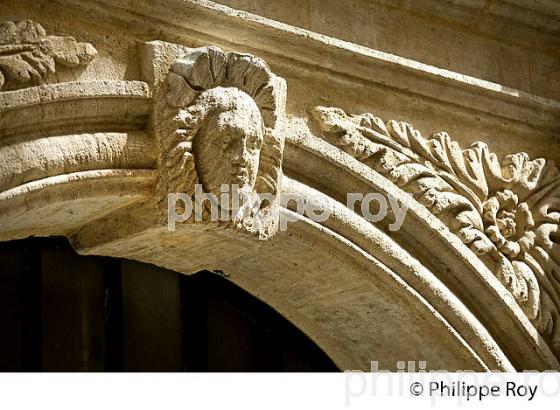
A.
x: 107, y: 107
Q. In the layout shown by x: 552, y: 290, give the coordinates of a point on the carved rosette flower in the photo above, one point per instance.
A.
x: 509, y: 224
x: 507, y: 212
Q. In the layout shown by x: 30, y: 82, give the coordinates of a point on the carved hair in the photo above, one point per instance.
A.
x: 207, y: 80
x: 209, y: 67
x: 191, y: 120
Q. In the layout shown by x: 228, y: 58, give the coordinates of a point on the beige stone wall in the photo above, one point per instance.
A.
x: 472, y: 39
x: 90, y: 149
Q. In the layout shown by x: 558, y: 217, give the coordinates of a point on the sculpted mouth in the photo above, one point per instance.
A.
x: 240, y: 173
x: 240, y: 176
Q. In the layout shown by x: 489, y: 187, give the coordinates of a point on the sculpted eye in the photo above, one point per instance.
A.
x: 254, y: 143
x: 225, y: 142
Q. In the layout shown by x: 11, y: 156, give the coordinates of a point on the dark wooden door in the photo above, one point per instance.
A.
x: 60, y: 311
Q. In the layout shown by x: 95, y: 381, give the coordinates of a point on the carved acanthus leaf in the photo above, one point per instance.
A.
x: 28, y: 56
x: 507, y: 211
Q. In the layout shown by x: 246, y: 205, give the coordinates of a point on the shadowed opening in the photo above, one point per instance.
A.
x: 61, y: 311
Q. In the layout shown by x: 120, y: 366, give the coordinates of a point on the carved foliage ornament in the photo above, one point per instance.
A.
x: 507, y: 211
x: 28, y: 56
x: 226, y: 112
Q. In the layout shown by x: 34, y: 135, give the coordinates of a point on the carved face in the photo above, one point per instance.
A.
x: 509, y: 224
x: 228, y: 145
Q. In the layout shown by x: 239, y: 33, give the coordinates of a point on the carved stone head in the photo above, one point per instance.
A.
x: 228, y: 111
x: 228, y: 143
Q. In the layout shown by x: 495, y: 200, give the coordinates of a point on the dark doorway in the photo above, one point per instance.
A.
x: 60, y: 311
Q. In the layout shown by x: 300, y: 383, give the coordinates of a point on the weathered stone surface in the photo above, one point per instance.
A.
x: 505, y: 211
x: 469, y: 281
x: 513, y: 42
x: 224, y: 112
x: 29, y: 56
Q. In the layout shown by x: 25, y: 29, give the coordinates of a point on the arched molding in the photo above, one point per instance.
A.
x: 72, y: 152
x: 92, y: 161
x: 80, y: 106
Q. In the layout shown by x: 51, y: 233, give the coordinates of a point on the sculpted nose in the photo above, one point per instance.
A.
x: 241, y: 156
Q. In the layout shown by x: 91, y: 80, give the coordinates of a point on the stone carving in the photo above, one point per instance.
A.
x: 226, y: 112
x: 507, y: 211
x: 229, y: 138
x: 28, y: 56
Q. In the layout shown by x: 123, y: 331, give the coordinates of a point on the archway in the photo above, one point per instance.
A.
x: 95, y: 161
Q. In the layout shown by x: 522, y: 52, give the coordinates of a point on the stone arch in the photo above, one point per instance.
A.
x: 84, y: 159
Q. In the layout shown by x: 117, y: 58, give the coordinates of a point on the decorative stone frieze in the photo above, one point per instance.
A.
x: 92, y: 154
x: 28, y: 56
x: 506, y: 211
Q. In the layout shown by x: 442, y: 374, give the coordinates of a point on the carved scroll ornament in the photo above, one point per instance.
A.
x: 28, y: 56
x: 507, y: 211
x: 227, y: 112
